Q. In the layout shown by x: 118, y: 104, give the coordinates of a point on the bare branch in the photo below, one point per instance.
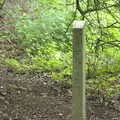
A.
x: 101, y: 8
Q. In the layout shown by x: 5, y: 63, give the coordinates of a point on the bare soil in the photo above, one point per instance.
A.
x: 35, y: 96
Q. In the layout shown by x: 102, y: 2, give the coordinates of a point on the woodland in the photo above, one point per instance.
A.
x: 36, y: 58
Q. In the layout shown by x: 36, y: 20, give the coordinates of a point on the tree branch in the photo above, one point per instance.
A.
x: 101, y: 8
x: 79, y: 8
x: 2, y: 4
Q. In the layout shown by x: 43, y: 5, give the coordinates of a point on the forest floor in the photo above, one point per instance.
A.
x: 35, y: 96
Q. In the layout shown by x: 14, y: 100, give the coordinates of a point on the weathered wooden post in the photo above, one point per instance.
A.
x: 78, y: 90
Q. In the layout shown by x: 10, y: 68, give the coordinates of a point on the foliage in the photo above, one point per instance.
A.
x: 16, y: 65
x: 104, y: 88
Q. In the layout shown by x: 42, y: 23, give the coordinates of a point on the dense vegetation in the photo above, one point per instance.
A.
x: 40, y: 32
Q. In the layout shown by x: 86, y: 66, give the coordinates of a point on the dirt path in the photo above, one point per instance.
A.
x: 35, y: 96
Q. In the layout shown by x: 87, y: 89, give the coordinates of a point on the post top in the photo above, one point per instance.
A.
x: 78, y: 24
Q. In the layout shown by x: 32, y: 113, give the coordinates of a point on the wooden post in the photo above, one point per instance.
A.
x: 78, y: 96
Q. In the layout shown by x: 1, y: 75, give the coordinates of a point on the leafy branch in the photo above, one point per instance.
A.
x: 2, y: 2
